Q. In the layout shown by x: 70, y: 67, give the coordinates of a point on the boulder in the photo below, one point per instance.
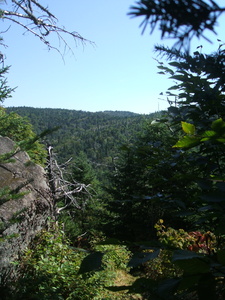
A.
x: 27, y: 211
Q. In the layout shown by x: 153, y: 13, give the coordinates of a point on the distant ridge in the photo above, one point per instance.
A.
x: 116, y: 113
x: 99, y: 135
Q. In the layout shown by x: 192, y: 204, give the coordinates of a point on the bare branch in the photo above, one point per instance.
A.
x: 43, y: 23
x: 14, y: 13
x: 73, y: 193
x: 43, y: 9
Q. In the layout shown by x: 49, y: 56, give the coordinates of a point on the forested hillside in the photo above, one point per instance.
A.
x: 141, y: 212
x: 99, y: 135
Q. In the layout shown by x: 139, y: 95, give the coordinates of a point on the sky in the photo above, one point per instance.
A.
x: 117, y: 72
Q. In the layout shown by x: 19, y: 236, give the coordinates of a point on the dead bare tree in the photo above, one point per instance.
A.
x: 68, y: 191
x: 39, y: 21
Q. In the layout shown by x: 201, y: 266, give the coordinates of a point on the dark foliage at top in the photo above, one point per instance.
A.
x: 179, y: 19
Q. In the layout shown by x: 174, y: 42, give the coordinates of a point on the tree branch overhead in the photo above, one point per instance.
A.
x: 39, y: 21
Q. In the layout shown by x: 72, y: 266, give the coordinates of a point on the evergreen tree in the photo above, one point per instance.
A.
x: 197, y: 177
x: 145, y: 180
x: 199, y: 107
x: 87, y: 221
x: 181, y: 20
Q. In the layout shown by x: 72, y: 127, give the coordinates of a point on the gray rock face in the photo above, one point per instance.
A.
x: 21, y: 219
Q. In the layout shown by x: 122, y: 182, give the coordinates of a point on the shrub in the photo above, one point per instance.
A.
x: 50, y: 270
x: 20, y: 130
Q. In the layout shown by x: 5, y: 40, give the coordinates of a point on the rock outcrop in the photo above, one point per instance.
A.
x: 22, y: 218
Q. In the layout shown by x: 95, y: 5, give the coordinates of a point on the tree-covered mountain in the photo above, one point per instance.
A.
x: 97, y: 134
x: 161, y: 225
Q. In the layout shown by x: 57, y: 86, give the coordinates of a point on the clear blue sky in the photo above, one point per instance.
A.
x: 118, y: 73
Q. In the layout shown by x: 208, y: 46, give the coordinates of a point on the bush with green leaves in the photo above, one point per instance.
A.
x: 52, y: 269
x: 173, y: 238
x: 16, y: 127
x: 161, y: 267
x: 48, y: 268
x: 20, y: 131
x: 116, y: 256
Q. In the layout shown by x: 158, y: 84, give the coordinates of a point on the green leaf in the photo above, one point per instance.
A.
x: 183, y: 95
x: 188, y: 128
x: 221, y: 140
x: 178, y: 77
x: 174, y: 87
x: 174, y: 64
x: 157, y: 121
x: 161, y: 67
x: 92, y: 262
x: 168, y: 70
x: 207, y: 135
x: 219, y: 126
x: 187, y: 142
